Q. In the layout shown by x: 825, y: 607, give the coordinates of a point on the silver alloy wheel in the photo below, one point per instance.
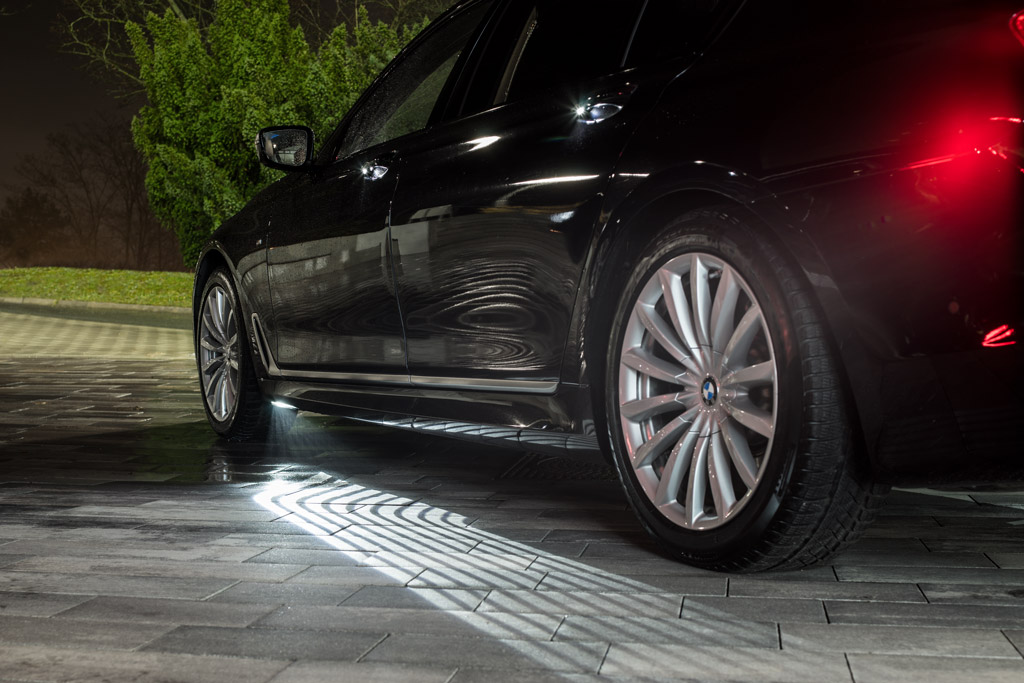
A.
x: 218, y: 353
x: 697, y: 391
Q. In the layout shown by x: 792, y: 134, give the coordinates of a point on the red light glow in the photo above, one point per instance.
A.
x: 999, y: 337
x: 1007, y: 119
x: 1017, y: 26
x: 929, y: 162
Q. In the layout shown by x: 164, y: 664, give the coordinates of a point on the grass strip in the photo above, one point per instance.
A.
x: 92, y: 284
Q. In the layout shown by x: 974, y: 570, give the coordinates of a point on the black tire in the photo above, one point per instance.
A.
x: 767, y: 436
x: 234, y: 405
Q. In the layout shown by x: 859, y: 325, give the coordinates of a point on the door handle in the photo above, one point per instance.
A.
x: 374, y: 171
x: 604, y: 105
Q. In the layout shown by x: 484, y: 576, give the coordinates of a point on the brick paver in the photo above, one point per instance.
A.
x: 136, y: 546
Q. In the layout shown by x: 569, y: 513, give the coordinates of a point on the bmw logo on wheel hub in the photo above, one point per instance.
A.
x: 709, y: 392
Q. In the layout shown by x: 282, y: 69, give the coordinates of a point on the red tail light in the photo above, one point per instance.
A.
x: 1000, y: 336
x: 1017, y: 26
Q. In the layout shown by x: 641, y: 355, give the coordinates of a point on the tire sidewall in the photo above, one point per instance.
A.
x: 737, y: 246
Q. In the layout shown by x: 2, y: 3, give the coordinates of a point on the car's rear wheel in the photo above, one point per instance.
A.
x: 727, y: 417
x: 234, y: 405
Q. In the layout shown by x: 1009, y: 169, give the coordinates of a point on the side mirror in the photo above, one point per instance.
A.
x: 286, y: 148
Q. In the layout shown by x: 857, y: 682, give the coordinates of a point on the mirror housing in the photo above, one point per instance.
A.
x: 286, y: 148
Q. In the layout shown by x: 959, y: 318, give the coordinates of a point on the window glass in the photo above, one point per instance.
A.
x: 672, y: 28
x: 402, y: 102
x: 566, y: 41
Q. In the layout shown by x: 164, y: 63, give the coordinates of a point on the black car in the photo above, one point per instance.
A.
x: 764, y: 255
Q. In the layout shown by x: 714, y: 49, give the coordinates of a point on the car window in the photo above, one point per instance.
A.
x: 566, y: 41
x: 674, y: 28
x: 403, y: 100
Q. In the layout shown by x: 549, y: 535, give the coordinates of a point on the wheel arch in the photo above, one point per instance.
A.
x: 211, y: 259
x: 645, y: 211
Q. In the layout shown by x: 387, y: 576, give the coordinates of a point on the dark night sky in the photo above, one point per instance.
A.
x: 43, y: 91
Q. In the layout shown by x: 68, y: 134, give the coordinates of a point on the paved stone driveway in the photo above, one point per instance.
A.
x: 134, y: 546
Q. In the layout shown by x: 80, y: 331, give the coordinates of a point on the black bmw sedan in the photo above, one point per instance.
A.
x: 765, y: 256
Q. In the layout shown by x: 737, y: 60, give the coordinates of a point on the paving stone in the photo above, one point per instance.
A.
x: 593, y: 580
x: 727, y: 633
x: 983, y: 544
x: 1017, y: 638
x: 973, y: 594
x: 461, y: 578
x: 432, y: 560
x: 952, y: 642
x: 110, y: 635
x: 37, y: 604
x: 322, y: 557
x: 907, y: 614
x: 455, y: 623
x: 111, y: 584
x: 161, y: 611
x: 857, y: 558
x: 990, y: 577
x: 754, y: 609
x: 903, y: 669
x: 316, y: 672
x: 275, y: 594
x: 723, y: 663
x: 416, y: 598
x: 239, y: 571
x: 7, y: 560
x: 495, y: 653
x: 357, y: 576
x: 276, y: 541
x: 36, y: 663
x: 550, y: 602
x: 176, y: 552
x: 1008, y: 560
x: 407, y: 515
x: 483, y: 675
x: 822, y: 590
x: 272, y: 643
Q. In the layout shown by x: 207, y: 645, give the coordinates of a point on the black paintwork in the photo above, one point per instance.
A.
x: 488, y: 251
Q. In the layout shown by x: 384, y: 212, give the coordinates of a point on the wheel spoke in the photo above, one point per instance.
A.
x: 678, y: 307
x: 214, y: 308
x: 229, y: 327
x: 677, y: 467
x: 645, y: 408
x: 696, y: 488
x: 215, y: 361
x: 665, y: 336
x: 724, y: 309
x: 222, y: 392
x: 742, y: 337
x: 720, y: 476
x: 700, y: 295
x: 751, y: 376
x: 210, y: 327
x: 739, y: 452
x: 750, y: 416
x: 666, y: 371
x: 650, y: 449
x: 230, y: 390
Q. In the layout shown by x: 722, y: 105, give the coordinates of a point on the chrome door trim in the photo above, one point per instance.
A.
x: 523, y: 386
